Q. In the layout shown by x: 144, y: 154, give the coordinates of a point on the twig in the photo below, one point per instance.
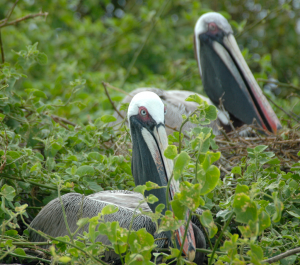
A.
x: 10, y: 12
x: 219, y: 238
x: 2, y: 175
x: 282, y: 109
x: 282, y: 255
x: 6, y: 145
x: 30, y: 257
x: 181, y: 126
x: 253, y: 25
x: 117, y: 89
x: 111, y: 102
x: 1, y: 47
x: 139, y: 50
x: 54, y: 117
x: 64, y: 213
x: 5, y: 23
x: 184, y: 236
x: 278, y: 83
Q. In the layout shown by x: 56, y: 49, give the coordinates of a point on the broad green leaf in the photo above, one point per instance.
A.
x: 169, y: 222
x: 236, y: 170
x: 109, y: 209
x: 20, y: 251
x: 278, y: 207
x: 208, y: 222
x: 195, y: 98
x: 208, y: 179
x: 42, y: 58
x: 171, y: 152
x: 244, y: 208
x: 263, y: 220
x: 108, y: 118
x: 82, y: 221
x: 211, y: 112
x: 260, y: 148
x: 8, y: 192
x: 85, y: 170
x: 64, y: 259
x: 241, y: 189
x: 189, y: 195
x: 181, y: 162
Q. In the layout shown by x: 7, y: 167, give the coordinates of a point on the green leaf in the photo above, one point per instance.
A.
x: 85, y: 170
x: 242, y: 189
x: 8, y: 192
x: 211, y: 112
x: 108, y: 118
x: 260, y: 148
x: 182, y: 161
x: 264, y: 220
x: 109, y: 209
x: 171, y: 152
x: 82, y: 222
x: 64, y: 259
x: 244, y: 208
x: 236, y: 170
x: 208, y: 222
x: 278, y: 207
x: 169, y: 222
x: 208, y: 179
x: 195, y: 98
x: 42, y: 58
x: 20, y: 251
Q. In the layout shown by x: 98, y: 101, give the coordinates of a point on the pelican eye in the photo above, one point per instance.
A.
x: 143, y: 112
x: 212, y: 26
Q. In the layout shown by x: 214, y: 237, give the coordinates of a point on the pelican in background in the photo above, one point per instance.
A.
x: 149, y: 138
x: 225, y: 75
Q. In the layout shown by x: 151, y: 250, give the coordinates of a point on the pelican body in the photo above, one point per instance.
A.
x: 149, y: 138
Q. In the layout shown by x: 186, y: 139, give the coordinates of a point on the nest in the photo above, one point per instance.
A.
x: 285, y: 145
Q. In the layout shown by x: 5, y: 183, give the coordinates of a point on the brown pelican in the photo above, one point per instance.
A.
x: 149, y: 138
x: 225, y: 75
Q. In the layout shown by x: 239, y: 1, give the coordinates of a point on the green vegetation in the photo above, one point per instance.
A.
x: 54, y: 134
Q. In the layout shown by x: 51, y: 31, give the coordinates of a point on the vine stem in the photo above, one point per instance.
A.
x: 219, y: 239
x: 64, y: 213
x: 180, y: 130
x: 184, y: 237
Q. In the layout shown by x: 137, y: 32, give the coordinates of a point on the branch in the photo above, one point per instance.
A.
x: 111, y: 102
x: 5, y: 23
x: 2, y: 175
x: 282, y: 255
x: 10, y: 12
x: 1, y: 48
x: 282, y: 109
x: 278, y: 83
x: 59, y: 120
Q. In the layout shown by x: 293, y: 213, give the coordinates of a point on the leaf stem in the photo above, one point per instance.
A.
x: 219, y: 239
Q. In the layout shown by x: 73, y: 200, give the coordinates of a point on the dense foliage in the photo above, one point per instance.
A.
x: 54, y: 115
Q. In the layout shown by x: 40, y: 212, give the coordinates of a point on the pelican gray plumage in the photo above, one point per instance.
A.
x: 149, y: 138
x: 225, y: 75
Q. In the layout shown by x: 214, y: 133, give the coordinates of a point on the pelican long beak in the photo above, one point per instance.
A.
x: 157, y: 149
x: 226, y: 74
